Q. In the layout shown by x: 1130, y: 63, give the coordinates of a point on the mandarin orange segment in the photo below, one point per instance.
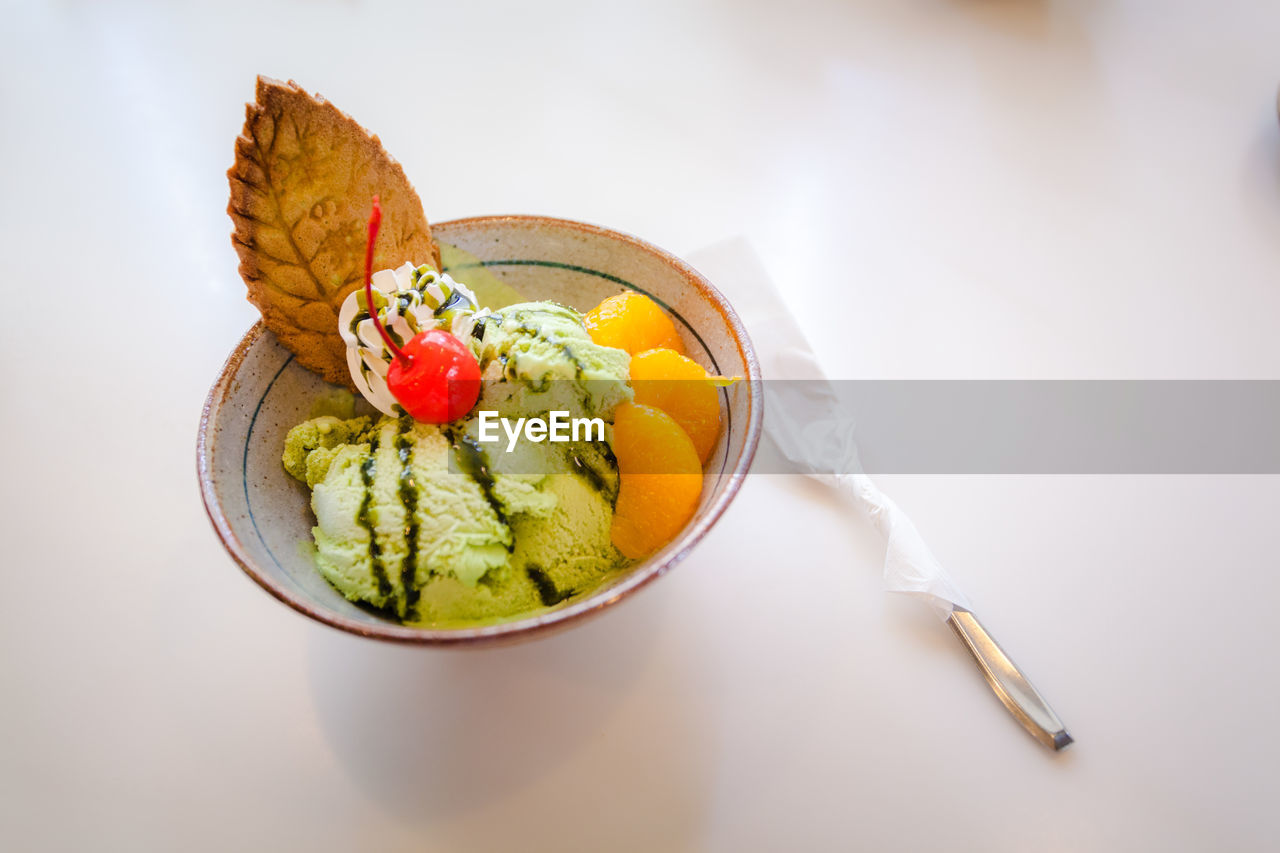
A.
x: 660, y: 479
x: 678, y: 385
x: 633, y: 322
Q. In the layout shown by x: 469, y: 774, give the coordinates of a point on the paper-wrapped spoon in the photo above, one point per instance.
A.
x: 805, y: 426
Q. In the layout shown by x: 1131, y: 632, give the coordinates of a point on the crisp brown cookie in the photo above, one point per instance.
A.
x: 301, y: 189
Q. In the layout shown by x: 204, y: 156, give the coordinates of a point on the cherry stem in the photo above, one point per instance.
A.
x: 375, y: 222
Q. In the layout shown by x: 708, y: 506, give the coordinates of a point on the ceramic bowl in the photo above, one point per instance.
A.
x: 263, y: 515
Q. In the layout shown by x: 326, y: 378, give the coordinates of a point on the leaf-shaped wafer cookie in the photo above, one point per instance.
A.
x: 301, y: 189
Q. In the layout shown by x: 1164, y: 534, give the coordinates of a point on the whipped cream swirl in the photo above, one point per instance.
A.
x: 409, y: 300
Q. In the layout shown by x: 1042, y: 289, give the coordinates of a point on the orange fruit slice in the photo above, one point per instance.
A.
x: 660, y: 479
x: 678, y: 385
x: 633, y: 322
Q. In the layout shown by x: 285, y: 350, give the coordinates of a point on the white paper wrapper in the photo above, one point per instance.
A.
x: 810, y: 432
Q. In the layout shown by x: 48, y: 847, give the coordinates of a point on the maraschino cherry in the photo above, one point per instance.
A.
x: 434, y: 377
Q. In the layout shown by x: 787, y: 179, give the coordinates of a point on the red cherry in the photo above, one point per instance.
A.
x: 437, y: 380
x: 434, y: 376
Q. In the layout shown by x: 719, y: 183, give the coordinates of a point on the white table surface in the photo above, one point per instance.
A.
x: 971, y: 189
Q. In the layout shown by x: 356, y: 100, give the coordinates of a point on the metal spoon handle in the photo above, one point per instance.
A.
x: 1015, y: 691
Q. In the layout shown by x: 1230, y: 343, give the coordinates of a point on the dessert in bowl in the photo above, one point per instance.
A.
x: 347, y: 450
x: 263, y: 515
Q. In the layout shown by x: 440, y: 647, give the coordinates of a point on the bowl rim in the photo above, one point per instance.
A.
x: 539, y: 624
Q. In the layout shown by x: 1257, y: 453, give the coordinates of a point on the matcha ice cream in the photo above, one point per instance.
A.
x: 434, y: 527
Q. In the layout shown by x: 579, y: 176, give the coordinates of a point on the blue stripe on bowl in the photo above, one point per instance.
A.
x: 244, y: 463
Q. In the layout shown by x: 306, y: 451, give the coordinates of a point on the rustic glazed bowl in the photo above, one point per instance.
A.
x: 263, y: 515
